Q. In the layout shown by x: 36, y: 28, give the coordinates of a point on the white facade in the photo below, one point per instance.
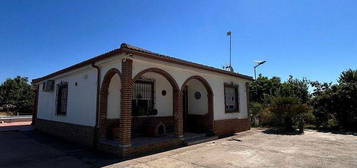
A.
x: 81, y: 105
x: 114, y: 94
x: 82, y: 85
x: 197, y: 106
x: 216, y: 80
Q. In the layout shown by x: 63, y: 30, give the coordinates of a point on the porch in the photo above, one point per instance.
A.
x: 142, y: 145
x: 151, y: 111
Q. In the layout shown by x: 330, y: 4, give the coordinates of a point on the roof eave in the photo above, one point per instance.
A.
x: 125, y: 49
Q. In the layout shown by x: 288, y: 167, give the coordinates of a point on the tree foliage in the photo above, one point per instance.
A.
x: 282, y: 104
x: 335, y: 105
x: 18, y: 92
x: 264, y: 88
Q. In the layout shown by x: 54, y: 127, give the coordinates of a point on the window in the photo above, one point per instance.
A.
x: 231, y: 98
x: 62, y: 96
x: 143, y: 98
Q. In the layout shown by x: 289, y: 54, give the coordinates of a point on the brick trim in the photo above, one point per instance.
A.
x: 126, y: 103
x: 176, y: 97
x: 230, y: 126
x: 247, y: 92
x: 35, y: 106
x: 104, y: 99
x: 210, y: 122
x: 80, y: 134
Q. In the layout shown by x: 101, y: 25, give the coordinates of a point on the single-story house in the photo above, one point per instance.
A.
x: 132, y: 100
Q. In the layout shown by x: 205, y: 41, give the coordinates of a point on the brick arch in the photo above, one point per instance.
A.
x: 209, y: 94
x: 104, y: 99
x: 176, y: 97
x: 161, y: 72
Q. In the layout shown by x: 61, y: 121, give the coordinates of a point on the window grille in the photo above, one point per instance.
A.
x: 143, y: 98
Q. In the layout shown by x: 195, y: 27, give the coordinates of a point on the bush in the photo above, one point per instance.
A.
x: 288, y: 113
x: 335, y: 106
x: 255, y: 111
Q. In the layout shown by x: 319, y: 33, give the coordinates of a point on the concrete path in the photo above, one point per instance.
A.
x: 250, y: 149
x: 259, y: 149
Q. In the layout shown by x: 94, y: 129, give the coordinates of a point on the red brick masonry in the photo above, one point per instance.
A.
x: 84, y: 134
x: 230, y: 126
x: 71, y: 132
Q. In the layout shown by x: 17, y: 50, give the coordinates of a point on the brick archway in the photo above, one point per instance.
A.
x: 176, y: 97
x: 104, y: 99
x: 205, y: 83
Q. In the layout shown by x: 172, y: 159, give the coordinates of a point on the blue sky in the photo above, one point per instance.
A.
x: 314, y: 39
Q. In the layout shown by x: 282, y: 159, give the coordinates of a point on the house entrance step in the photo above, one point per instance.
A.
x: 199, y: 139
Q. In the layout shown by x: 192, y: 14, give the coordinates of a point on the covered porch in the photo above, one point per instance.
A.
x: 150, y: 111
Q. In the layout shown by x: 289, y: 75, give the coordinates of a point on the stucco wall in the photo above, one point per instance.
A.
x: 163, y: 104
x: 82, y: 98
x: 113, y: 105
x: 81, y: 105
x: 216, y: 80
x: 197, y: 106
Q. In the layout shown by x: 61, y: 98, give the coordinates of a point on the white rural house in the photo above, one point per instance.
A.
x: 132, y: 100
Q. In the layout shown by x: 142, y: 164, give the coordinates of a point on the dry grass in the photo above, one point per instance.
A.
x: 7, y: 114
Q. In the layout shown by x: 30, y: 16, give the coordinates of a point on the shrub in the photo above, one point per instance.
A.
x: 288, y: 113
x: 255, y: 111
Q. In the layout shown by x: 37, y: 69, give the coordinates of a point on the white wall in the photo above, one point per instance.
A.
x: 197, y: 106
x: 82, y: 98
x: 216, y: 80
x: 163, y: 104
x: 81, y: 105
x: 110, y: 63
x: 113, y: 106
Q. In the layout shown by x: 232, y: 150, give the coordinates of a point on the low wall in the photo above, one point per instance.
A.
x: 230, y: 126
x: 197, y: 123
x: 138, y: 125
x: 11, y: 119
x: 71, y: 132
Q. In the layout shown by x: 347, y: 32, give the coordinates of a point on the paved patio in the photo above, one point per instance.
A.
x: 259, y: 149
x: 250, y: 149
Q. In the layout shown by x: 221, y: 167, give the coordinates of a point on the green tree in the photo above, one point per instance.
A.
x: 264, y: 87
x: 335, y: 105
x: 18, y: 92
x: 295, y: 88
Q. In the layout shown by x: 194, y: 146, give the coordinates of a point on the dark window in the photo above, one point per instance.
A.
x: 197, y: 95
x: 62, y: 96
x: 231, y: 98
x: 163, y: 92
x: 143, y: 98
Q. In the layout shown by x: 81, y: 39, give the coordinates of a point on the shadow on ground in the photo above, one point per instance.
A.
x: 278, y: 131
x: 31, y: 148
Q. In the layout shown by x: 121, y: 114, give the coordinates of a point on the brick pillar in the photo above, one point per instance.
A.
x: 247, y: 92
x: 35, y: 105
x: 103, y: 112
x: 178, y: 111
x: 210, y: 112
x: 126, y: 98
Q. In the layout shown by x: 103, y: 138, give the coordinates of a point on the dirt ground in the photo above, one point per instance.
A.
x: 256, y: 148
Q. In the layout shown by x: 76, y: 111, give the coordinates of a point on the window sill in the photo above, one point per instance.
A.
x: 232, y: 112
x: 143, y: 116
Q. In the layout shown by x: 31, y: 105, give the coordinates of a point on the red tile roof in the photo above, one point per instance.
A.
x: 126, y: 48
